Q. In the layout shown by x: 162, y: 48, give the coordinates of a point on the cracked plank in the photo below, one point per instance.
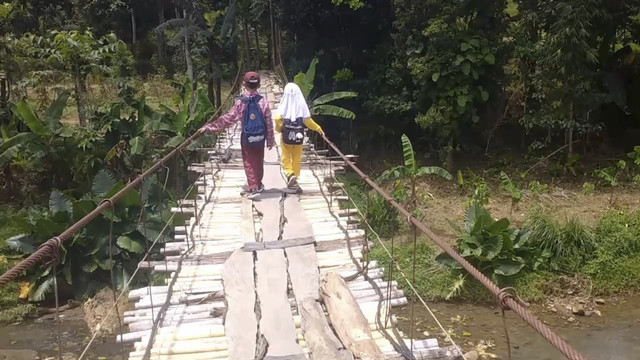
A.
x: 276, y: 323
x: 241, y: 324
x: 283, y: 244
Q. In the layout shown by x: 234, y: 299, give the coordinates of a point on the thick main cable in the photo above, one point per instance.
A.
x: 506, y: 300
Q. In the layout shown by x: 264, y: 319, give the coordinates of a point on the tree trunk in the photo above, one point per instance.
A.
x: 210, y: 74
x: 272, y: 43
x: 570, y: 128
x: 245, y: 35
x: 218, y: 91
x: 133, y: 26
x: 258, y: 55
x: 4, y: 92
x: 450, y: 159
x: 161, y: 40
x: 272, y: 65
x: 79, y: 89
x: 188, y: 59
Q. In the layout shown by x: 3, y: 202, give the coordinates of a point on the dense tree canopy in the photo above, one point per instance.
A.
x: 460, y: 76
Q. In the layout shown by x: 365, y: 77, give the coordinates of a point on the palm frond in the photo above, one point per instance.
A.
x: 408, y: 154
x: 434, y: 170
x: 332, y: 110
x: 334, y: 96
x: 456, y: 288
x: 189, y: 32
x: 172, y: 24
x: 228, y: 24
x: 43, y: 289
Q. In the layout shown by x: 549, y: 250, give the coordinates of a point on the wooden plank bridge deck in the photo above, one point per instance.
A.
x: 263, y: 279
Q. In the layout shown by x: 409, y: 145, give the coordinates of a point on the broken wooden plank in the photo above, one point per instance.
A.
x: 276, y: 322
x: 241, y: 324
x: 304, y: 275
x: 347, y: 319
x: 283, y: 244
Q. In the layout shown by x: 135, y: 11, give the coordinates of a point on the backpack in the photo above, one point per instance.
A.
x: 254, y: 129
x: 293, y: 131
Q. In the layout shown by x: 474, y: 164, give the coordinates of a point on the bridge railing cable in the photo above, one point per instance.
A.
x: 49, y: 251
x: 51, y: 246
x: 506, y: 297
x: 327, y: 169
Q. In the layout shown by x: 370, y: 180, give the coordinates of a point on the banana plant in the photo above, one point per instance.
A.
x: 136, y: 219
x: 320, y: 105
x: 41, y: 139
x: 411, y: 170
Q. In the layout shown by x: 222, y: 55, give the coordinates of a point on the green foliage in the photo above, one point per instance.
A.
x: 491, y: 246
x: 570, y: 244
x: 537, y: 189
x: 433, y: 282
x: 86, y: 258
x: 616, y: 263
x: 382, y: 217
x: 411, y: 170
x: 353, y: 4
x: 513, y: 189
x: 343, y: 75
x: 319, y: 106
x: 588, y: 188
x: 609, y: 175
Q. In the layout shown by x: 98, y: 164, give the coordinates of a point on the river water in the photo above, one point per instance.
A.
x: 613, y: 336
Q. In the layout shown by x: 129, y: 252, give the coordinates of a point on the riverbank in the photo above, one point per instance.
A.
x: 580, y: 244
x: 613, y: 336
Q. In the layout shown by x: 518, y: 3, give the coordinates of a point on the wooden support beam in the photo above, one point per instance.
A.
x: 347, y: 318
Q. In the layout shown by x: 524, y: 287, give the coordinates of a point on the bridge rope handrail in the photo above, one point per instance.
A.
x: 404, y: 276
x: 50, y: 247
x: 363, y: 268
x: 506, y: 298
x: 132, y: 277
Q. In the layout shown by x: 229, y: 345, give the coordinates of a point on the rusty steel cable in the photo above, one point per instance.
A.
x: 507, y: 300
x: 131, y: 278
x: 47, y: 249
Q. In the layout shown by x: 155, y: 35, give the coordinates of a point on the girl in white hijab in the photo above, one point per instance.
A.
x: 292, y: 117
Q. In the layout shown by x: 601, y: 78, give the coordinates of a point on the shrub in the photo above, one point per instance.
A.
x: 499, y: 251
x: 570, y: 245
x: 433, y: 282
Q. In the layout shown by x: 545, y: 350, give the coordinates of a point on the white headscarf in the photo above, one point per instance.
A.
x: 293, y: 105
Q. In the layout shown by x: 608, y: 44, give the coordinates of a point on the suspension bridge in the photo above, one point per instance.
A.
x: 257, y: 276
x: 283, y: 277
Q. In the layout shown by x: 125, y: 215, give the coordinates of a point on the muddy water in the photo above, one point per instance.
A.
x: 41, y: 336
x: 614, y: 336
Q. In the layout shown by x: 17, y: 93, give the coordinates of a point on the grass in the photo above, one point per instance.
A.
x: 615, y: 267
x: 570, y: 243
x: 608, y: 254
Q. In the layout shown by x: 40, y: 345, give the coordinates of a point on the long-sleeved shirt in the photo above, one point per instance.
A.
x: 308, y: 122
x: 236, y: 113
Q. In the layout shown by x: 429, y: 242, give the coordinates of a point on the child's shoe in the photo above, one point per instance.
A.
x: 251, y: 194
x: 292, y: 181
